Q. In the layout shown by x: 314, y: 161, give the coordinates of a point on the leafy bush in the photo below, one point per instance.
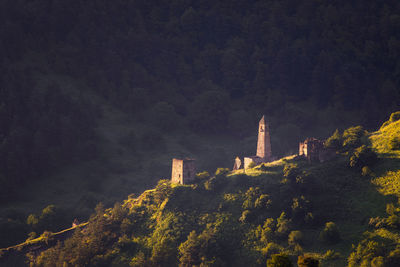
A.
x: 290, y: 171
x: 352, y: 137
x: 307, y: 261
x: 250, y: 197
x: 300, y: 207
x: 335, y: 141
x: 330, y: 255
x: 210, y: 184
x: 363, y: 156
x: 330, y: 234
x: 271, y: 249
x: 267, y: 231
x: 365, y: 252
x: 283, y: 225
x: 295, y: 238
x: 139, y: 260
x: 162, y: 191
x: 366, y: 171
x: 32, y: 220
x: 378, y: 262
x: 279, y: 260
x: 263, y: 202
x: 246, y: 216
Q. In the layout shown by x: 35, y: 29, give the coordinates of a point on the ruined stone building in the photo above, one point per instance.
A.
x: 314, y: 150
x: 238, y: 164
x: 263, y: 153
x: 183, y: 171
x: 311, y: 148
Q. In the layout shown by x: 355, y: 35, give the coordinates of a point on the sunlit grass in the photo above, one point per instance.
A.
x: 389, y: 184
x: 381, y: 139
x: 264, y: 168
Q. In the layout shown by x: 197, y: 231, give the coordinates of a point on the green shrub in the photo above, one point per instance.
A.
x: 300, y: 207
x: 378, y: 262
x: 363, y: 156
x: 162, y: 191
x: 295, y: 237
x: 246, y: 216
x: 271, y: 249
x: 32, y: 220
x: 352, y: 137
x: 307, y: 261
x: 250, y: 197
x: 366, y: 251
x: 366, y: 171
x: 330, y: 255
x: 279, y: 260
x: 139, y: 260
x: 393, y: 221
x: 330, y: 234
x: 210, y: 184
x: 283, y: 225
x: 290, y: 171
x: 335, y: 141
x: 263, y: 202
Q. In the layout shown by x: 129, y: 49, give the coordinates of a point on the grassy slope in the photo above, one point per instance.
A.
x: 339, y: 194
x: 388, y: 173
x: 342, y: 194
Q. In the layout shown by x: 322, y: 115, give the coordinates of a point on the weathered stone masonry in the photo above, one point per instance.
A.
x: 183, y: 171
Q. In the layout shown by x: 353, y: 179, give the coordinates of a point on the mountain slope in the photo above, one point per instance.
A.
x: 231, y: 219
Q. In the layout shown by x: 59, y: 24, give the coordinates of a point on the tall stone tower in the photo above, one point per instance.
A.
x: 264, y: 141
x: 183, y: 171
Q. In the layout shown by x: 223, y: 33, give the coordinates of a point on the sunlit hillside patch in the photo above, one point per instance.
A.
x: 273, y: 168
x: 276, y: 207
x: 389, y: 184
x: 383, y: 141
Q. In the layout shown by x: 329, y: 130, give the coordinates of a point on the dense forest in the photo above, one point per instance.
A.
x: 190, y: 78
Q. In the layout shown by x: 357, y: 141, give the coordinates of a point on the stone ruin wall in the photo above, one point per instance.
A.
x: 249, y: 160
x: 183, y: 171
x: 177, y: 171
x: 189, y: 171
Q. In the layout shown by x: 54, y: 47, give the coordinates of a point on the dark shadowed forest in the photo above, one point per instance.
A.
x: 96, y: 97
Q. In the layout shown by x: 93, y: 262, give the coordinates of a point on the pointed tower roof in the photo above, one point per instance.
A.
x: 262, y: 121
